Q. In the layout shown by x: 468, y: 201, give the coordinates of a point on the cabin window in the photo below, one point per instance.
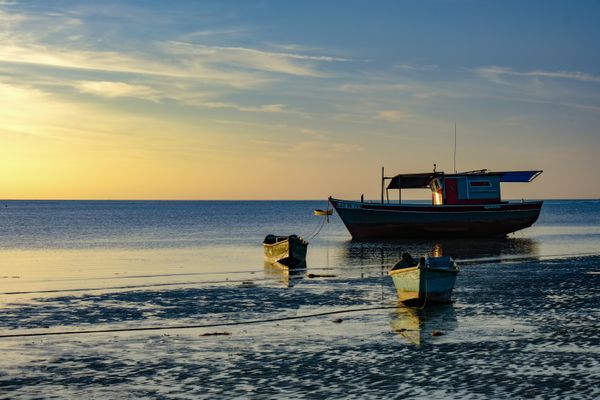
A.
x: 480, y: 183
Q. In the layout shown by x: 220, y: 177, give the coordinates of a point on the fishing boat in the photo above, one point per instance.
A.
x: 429, y: 280
x: 287, y: 250
x: 466, y: 204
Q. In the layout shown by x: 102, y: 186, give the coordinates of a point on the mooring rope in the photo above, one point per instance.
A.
x: 317, y: 231
x: 195, y: 326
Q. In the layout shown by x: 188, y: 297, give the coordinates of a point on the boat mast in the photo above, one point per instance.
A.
x: 382, y: 182
x: 455, y: 147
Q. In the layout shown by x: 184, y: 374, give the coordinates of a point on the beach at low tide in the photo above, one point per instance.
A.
x: 222, y: 325
x: 516, y: 329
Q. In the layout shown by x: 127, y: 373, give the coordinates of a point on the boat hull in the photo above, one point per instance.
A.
x: 424, y: 285
x: 290, y: 252
x: 386, y: 221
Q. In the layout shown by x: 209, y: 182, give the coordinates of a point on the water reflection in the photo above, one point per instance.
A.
x: 388, y: 252
x: 418, y: 326
x: 284, y: 274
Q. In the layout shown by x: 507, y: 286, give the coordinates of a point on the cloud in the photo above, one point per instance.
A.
x: 266, y: 108
x: 392, y: 115
x: 54, y: 117
x: 107, y: 61
x: 323, y: 149
x: 241, y: 57
x: 311, y: 133
x: 117, y: 89
x: 114, y: 62
x: 494, y: 73
x: 412, y: 67
x: 11, y: 18
x: 24, y: 40
x: 346, y: 148
x: 214, y: 32
x: 417, y: 90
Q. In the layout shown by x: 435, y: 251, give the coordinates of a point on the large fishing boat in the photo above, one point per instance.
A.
x: 463, y: 204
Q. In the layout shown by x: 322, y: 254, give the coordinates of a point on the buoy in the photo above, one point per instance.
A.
x: 320, y: 212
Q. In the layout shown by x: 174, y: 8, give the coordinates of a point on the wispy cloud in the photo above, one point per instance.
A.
x: 265, y: 108
x: 116, y: 62
x: 107, y: 61
x: 241, y: 57
x: 415, y: 89
x: 494, y: 73
x: 25, y: 39
x: 413, y: 67
x: 117, y: 89
x: 392, y: 115
x: 311, y: 133
x: 321, y: 149
x: 213, y: 32
x: 11, y: 18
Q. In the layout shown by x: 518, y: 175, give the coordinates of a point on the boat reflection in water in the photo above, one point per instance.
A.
x: 419, y: 326
x: 389, y: 252
x: 289, y: 276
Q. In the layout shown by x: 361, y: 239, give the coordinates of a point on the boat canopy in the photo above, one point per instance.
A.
x: 422, y: 180
x: 412, y: 181
x: 519, y: 176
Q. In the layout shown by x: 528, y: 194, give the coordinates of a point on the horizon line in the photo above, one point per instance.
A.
x: 366, y: 200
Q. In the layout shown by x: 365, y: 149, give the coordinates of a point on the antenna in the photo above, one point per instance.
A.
x: 455, y: 147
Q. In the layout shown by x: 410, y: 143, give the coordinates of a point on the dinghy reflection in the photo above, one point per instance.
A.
x: 419, y: 326
x: 289, y: 276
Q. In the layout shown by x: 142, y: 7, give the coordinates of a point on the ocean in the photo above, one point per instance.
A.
x: 124, y: 265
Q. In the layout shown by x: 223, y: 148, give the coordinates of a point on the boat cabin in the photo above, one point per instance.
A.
x: 471, y: 187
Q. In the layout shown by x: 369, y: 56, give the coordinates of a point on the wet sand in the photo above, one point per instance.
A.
x: 522, y: 329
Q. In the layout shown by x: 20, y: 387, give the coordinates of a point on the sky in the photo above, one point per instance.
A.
x: 294, y: 100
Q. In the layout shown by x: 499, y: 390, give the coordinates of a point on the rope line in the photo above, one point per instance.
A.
x: 195, y: 326
x: 318, y: 230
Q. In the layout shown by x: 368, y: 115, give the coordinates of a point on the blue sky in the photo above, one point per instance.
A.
x: 199, y: 100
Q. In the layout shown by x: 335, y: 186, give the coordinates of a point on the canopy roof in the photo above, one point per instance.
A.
x: 422, y: 180
x: 519, y: 176
x: 412, y: 181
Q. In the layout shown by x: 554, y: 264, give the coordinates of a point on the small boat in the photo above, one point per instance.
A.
x: 319, y: 212
x: 463, y: 204
x: 429, y: 280
x: 287, y: 250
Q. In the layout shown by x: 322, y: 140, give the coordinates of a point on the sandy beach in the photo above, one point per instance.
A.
x: 521, y: 329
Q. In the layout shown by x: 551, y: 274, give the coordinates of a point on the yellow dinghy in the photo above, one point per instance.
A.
x: 320, y: 212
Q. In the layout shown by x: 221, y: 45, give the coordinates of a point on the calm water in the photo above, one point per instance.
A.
x: 62, y: 244
x: 240, y: 226
x: 72, y: 265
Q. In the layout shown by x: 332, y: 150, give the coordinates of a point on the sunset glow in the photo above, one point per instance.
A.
x: 283, y: 100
